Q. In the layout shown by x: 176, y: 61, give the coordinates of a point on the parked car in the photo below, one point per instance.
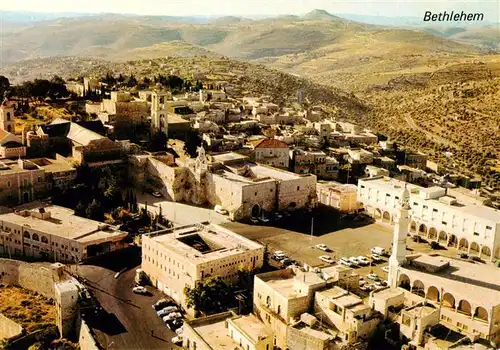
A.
x: 219, y: 210
x: 175, y: 324
x: 327, y: 259
x: 172, y: 316
x: 162, y: 303
x: 366, y: 287
x: 380, y: 284
x: 378, y: 250
x: 167, y: 310
x: 277, y: 216
x: 362, y: 282
x: 322, y: 247
x: 434, y: 245
x: 376, y: 257
x: 140, y: 290
x: 264, y: 220
x: 353, y: 261
x: 254, y: 220
x: 279, y: 255
x: 363, y: 260
x: 156, y: 194
x: 372, y: 276
x: 462, y: 255
x: 385, y: 269
x: 286, y: 261
x: 345, y: 261
x: 176, y: 340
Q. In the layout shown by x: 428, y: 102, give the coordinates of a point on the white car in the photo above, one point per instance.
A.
x: 176, y: 340
x: 279, y: 255
x: 157, y: 194
x: 264, y: 220
x: 366, y: 287
x: 327, y: 259
x: 354, y: 261
x: 372, y: 276
x: 140, y: 290
x: 362, y: 282
x: 322, y: 247
x: 344, y: 261
x: 385, y: 269
x: 362, y: 260
x: 219, y: 210
x: 166, y: 311
x: 254, y: 220
x: 376, y: 257
x: 172, y: 316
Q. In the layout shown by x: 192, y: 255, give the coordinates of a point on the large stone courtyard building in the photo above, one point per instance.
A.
x: 443, y: 215
x: 178, y: 258
x: 243, y: 188
x: 55, y: 233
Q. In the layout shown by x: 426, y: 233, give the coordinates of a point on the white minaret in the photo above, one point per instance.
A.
x: 398, y: 256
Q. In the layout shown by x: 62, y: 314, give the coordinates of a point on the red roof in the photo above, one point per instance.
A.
x: 270, y: 143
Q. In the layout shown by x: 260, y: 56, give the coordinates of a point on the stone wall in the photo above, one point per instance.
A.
x: 9, y: 329
x: 86, y: 339
x: 32, y: 276
x: 301, y: 192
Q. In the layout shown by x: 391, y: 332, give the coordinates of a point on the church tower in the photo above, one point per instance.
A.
x: 159, y: 111
x: 7, y: 117
x: 398, y: 256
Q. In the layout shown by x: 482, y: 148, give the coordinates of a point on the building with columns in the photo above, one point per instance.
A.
x: 447, y: 216
x: 436, y: 299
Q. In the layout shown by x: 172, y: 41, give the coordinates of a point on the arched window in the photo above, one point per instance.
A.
x: 45, y: 240
x: 35, y: 237
x: 8, y: 116
x: 268, y: 301
x: 26, y: 235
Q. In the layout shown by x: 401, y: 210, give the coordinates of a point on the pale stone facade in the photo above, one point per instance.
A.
x: 280, y: 297
x: 347, y: 313
x: 56, y: 233
x: 448, y: 217
x: 7, y: 117
x: 173, y: 259
x: 272, y: 152
x: 339, y: 196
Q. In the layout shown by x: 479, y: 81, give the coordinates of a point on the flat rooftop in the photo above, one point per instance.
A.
x: 215, y: 334
x: 266, y: 171
x: 464, y: 280
x: 252, y: 327
x: 228, y: 157
x: 63, y: 223
x: 201, y: 243
x: 285, y: 283
x: 420, y: 310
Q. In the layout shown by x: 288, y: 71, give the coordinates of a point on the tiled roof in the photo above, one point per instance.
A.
x: 270, y: 143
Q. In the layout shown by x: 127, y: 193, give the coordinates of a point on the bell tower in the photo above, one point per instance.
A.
x: 398, y: 256
x: 7, y: 117
x: 159, y: 111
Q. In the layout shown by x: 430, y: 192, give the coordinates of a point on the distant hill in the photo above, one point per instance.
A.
x: 111, y: 35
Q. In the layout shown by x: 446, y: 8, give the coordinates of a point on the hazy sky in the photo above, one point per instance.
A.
x: 253, y: 7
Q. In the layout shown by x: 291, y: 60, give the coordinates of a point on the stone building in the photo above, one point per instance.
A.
x: 226, y: 331
x: 56, y: 233
x: 451, y: 295
x: 230, y: 180
x: 11, y: 146
x: 446, y: 216
x: 122, y: 111
x: 7, y: 116
x: 339, y: 196
x: 314, y: 162
x: 178, y: 258
x: 271, y: 152
x: 281, y: 297
x: 347, y: 313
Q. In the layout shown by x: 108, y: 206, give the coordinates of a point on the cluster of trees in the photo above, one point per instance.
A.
x: 40, y: 89
x: 4, y: 86
x: 212, y: 295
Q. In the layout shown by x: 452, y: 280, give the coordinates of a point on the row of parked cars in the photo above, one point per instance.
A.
x: 171, y: 316
x: 270, y: 218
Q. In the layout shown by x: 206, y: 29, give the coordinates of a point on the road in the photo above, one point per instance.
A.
x: 130, y: 317
x: 179, y: 213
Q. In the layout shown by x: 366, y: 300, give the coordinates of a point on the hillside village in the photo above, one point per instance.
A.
x: 201, y: 202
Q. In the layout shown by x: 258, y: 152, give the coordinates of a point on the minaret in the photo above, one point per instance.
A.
x: 398, y: 256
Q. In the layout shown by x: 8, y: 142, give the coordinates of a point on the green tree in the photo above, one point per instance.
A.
x: 95, y: 211
x: 131, y: 81
x: 210, y: 296
x: 4, y: 86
